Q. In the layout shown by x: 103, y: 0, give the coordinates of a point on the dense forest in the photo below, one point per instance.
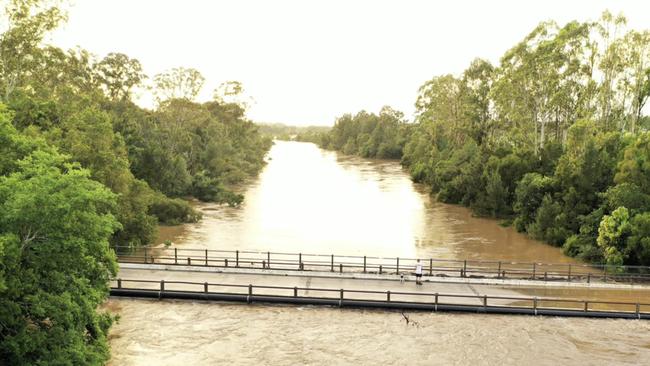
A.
x: 82, y: 167
x: 552, y: 139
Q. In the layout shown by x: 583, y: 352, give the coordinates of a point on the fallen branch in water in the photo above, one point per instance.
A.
x: 408, y: 320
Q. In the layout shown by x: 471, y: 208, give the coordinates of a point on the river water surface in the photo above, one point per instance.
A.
x: 315, y: 201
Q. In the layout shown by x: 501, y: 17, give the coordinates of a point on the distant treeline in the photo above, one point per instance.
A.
x: 553, y: 138
x: 284, y: 132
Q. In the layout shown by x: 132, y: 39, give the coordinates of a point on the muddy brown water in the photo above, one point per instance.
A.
x: 195, y: 333
x: 316, y: 201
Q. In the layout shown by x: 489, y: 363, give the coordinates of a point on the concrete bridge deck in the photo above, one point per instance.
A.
x: 381, y: 288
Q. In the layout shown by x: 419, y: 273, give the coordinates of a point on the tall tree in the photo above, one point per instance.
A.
x: 178, y: 83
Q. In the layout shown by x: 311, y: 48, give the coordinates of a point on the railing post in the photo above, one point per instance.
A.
x: 263, y: 264
x: 175, y: 255
x: 225, y: 262
x: 340, y: 267
x: 206, y: 257
x: 499, y: 270
x: 534, y: 268
x: 268, y: 259
x: 145, y: 254
x: 589, y: 277
x: 364, y: 264
x: 436, y: 302
x: 119, y: 283
x: 162, y: 285
x: 485, y: 302
x: 189, y: 261
x: 545, y: 276
x: 205, y: 287
x: 341, y: 299
x: 388, y: 295
x: 397, y: 265
x: 300, y: 261
x: 295, y: 291
x: 464, y: 268
x: 535, y: 305
x: 250, y: 293
x: 332, y: 264
x: 586, y: 306
x: 430, y: 266
x: 638, y: 310
x: 569, y: 275
x: 380, y: 269
x: 237, y: 258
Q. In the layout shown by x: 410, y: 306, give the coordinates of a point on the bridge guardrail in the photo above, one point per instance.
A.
x: 373, y: 298
x: 370, y: 264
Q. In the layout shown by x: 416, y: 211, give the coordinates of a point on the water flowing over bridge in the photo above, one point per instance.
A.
x: 502, y: 287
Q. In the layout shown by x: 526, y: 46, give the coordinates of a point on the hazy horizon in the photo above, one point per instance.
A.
x: 308, y: 63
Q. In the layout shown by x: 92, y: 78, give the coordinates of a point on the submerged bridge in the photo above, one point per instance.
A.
x: 503, y: 287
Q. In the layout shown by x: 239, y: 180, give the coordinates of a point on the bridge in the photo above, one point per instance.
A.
x: 503, y: 287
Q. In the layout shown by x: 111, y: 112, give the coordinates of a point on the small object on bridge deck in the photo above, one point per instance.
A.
x: 189, y: 261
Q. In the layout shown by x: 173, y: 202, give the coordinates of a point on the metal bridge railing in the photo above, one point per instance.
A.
x: 381, y: 265
x: 374, y: 298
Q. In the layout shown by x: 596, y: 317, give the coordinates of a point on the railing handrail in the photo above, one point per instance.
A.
x: 608, y: 267
x: 401, y: 293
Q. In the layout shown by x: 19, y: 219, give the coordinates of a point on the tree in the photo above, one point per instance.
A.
x: 119, y: 74
x: 55, y: 223
x: 28, y: 21
x: 178, y: 83
x: 612, y: 234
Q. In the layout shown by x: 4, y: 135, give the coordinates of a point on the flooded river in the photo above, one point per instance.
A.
x: 316, y: 201
x: 184, y: 333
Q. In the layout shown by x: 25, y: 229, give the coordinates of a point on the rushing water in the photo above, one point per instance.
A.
x: 314, y: 201
x: 184, y: 333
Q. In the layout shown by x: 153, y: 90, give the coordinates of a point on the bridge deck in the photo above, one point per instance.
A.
x: 189, y: 279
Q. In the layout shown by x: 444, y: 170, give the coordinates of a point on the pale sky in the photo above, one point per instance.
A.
x: 308, y: 62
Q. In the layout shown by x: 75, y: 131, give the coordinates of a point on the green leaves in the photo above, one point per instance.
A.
x: 54, y: 260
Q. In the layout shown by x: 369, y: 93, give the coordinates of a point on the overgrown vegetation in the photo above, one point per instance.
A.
x: 554, y: 138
